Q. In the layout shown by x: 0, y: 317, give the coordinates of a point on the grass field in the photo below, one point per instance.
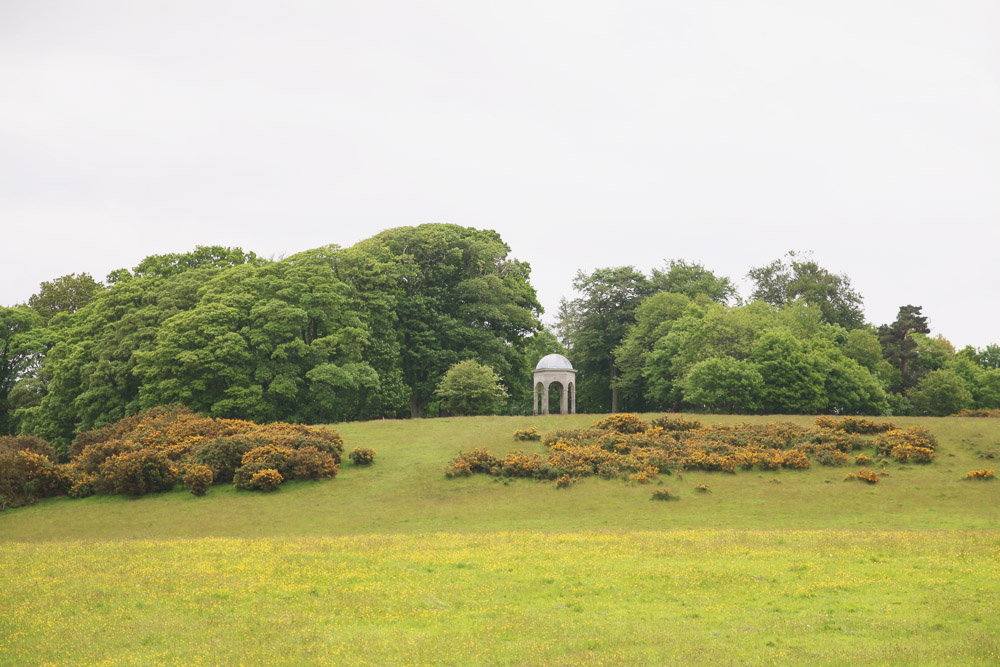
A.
x: 397, y: 565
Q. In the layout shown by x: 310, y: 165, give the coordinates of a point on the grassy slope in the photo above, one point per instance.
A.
x: 397, y: 565
x: 406, y: 492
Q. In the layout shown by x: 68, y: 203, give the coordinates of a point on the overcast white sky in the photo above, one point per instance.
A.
x: 588, y: 134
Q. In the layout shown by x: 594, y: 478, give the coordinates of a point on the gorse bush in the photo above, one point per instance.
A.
x: 863, y: 475
x: 527, y: 434
x: 197, y: 478
x: 623, y: 423
x: 614, y: 449
x: 994, y: 414
x: 985, y: 473
x: 154, y: 450
x: 267, y: 479
x: 362, y: 456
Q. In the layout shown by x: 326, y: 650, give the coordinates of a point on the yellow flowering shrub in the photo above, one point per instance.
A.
x: 863, y: 475
x: 266, y: 479
x: 624, y: 422
x: 985, y: 473
x: 528, y: 434
x: 362, y: 456
x: 197, y: 478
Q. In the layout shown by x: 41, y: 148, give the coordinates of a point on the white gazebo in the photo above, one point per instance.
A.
x: 555, y: 369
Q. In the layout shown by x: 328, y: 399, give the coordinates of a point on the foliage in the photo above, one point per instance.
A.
x: 899, y: 347
x: 663, y: 494
x: 621, y: 423
x: 266, y: 479
x: 362, y: 456
x: 994, y: 414
x: 470, y: 388
x: 594, y: 324
x: 723, y: 384
x: 66, y: 294
x: 940, y: 393
x: 781, y: 283
x: 26, y: 476
x: 913, y: 437
x: 136, y: 473
x: 854, y: 425
x: 197, y: 478
x: 863, y: 475
x: 693, y: 280
x: 983, y: 473
x: 668, y: 423
x: 17, y: 355
x: 527, y: 434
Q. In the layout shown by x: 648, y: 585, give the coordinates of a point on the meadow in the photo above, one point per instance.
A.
x: 395, y: 564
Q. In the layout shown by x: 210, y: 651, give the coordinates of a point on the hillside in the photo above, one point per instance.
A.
x: 395, y: 564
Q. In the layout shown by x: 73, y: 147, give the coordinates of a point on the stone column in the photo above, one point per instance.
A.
x: 573, y: 408
x: 564, y: 398
x: 534, y: 398
x: 545, y: 398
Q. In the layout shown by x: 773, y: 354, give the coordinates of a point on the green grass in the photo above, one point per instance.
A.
x: 395, y: 564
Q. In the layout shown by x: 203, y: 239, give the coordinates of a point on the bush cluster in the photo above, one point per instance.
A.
x: 613, y: 448
x: 994, y: 414
x: 153, y: 450
x: 528, y: 434
x: 854, y: 425
x: 985, y: 473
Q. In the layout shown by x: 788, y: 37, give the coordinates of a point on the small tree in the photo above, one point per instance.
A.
x: 469, y: 388
x: 723, y: 383
x: 940, y: 393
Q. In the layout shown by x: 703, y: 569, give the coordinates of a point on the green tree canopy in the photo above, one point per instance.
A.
x: 66, y: 294
x: 783, y: 282
x: 470, y: 388
x: 692, y: 280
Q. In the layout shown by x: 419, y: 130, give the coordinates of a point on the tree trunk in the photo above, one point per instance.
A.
x: 614, y: 388
x: 417, y: 407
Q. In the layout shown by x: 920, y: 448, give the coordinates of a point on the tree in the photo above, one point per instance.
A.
x: 692, y: 280
x: 940, y: 393
x: 724, y: 383
x: 16, y: 356
x: 456, y: 295
x: 202, y: 257
x: 469, y: 388
x: 66, y: 294
x: 793, y: 378
x: 780, y: 283
x: 594, y: 324
x: 862, y: 345
x: 898, y: 345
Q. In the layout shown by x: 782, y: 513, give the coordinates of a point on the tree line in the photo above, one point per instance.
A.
x: 370, y: 331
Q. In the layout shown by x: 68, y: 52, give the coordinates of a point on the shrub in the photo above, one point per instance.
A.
x: 980, y: 474
x: 267, y: 479
x: 311, y: 463
x: 854, y: 425
x: 271, y: 457
x: 994, y: 414
x: 795, y: 460
x: 243, y: 478
x: 26, y: 476
x: 915, y: 436
x: 908, y: 453
x: 564, y: 482
x: 519, y: 464
x: 136, y: 473
x: 862, y: 460
x: 528, y: 434
x: 362, y: 456
x: 622, y: 423
x: 197, y: 478
x: 863, y: 475
x: 466, y: 463
x: 702, y: 488
x: 644, y: 476
x: 831, y: 457
x: 224, y: 455
x: 577, y: 436
x: 663, y: 494
x: 29, y: 443
x: 668, y: 423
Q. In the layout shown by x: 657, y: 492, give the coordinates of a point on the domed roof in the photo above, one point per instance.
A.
x: 554, y: 362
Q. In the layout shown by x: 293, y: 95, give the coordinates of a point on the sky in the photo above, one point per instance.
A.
x: 587, y: 134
